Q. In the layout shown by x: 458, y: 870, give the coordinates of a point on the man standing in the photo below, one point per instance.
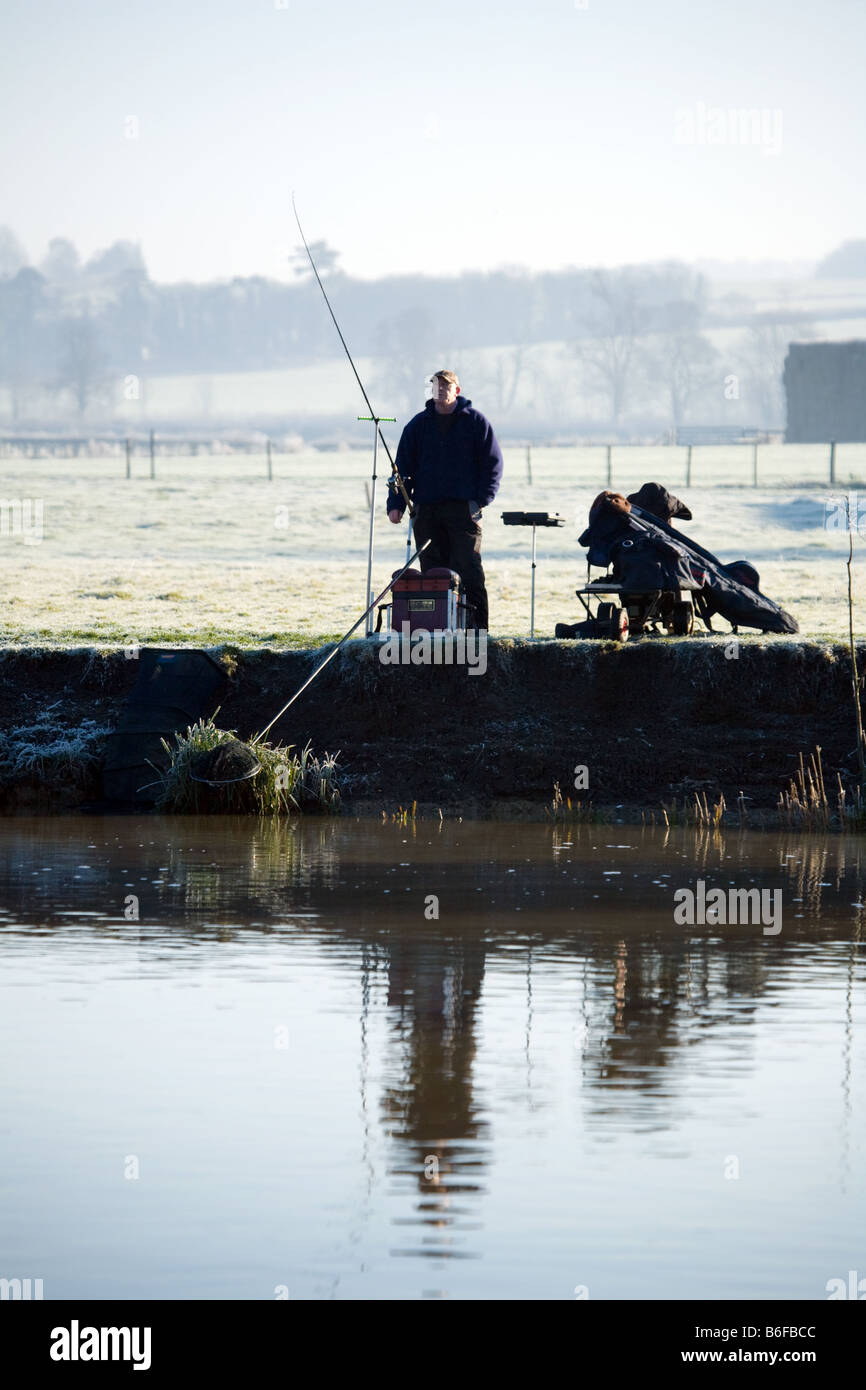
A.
x: 451, y: 464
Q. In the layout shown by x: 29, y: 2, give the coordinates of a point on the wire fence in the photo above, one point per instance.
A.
x: 753, y: 464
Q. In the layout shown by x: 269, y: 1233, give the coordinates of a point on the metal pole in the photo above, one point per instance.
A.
x: 532, y: 615
x: 409, y: 539
x: 376, y: 419
x: 333, y: 652
x: 369, y: 628
x: 529, y: 464
x: 270, y: 465
x: 689, y: 467
x: 128, y: 461
x: 832, y: 463
x: 609, y: 466
x: 152, y: 457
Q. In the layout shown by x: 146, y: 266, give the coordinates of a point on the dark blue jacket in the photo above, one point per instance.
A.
x: 464, y: 461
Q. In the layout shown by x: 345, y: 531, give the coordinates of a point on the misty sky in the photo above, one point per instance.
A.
x: 428, y: 138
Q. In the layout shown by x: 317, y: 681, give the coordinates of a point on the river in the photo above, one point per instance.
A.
x: 359, y: 1059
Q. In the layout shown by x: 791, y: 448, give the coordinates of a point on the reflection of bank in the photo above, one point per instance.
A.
x: 438, y: 1138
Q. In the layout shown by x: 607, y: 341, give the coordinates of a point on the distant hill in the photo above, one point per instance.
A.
x: 847, y: 262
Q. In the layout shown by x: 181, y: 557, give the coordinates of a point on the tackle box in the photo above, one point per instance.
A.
x: 433, y: 601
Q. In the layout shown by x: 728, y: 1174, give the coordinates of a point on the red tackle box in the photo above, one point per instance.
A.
x: 433, y: 601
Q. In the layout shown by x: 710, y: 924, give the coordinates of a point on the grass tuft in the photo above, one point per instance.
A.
x: 574, y: 812
x: 805, y: 802
x: 287, y: 784
x: 49, y: 751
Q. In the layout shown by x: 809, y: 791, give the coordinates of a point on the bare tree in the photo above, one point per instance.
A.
x: 12, y: 254
x: 117, y: 261
x: 81, y: 368
x: 61, y: 264
x: 500, y: 376
x: 325, y: 256
x: 406, y: 360
x: 765, y: 347
x: 613, y: 326
x: 22, y: 335
x: 679, y: 361
x: 506, y: 367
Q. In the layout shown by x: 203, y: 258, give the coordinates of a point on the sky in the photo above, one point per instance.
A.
x: 433, y: 139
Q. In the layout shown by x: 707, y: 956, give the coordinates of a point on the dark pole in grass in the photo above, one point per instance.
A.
x: 128, y: 460
x: 270, y: 465
x: 689, y: 467
x: 529, y: 464
x: 609, y: 464
x: 855, y: 678
x: 152, y: 456
x: 377, y: 422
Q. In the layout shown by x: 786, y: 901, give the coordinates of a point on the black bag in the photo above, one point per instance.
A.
x: 643, y: 564
x: 660, y: 503
x: 648, y: 554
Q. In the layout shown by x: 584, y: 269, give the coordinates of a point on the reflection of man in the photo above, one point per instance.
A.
x: 451, y: 464
x: 430, y: 1108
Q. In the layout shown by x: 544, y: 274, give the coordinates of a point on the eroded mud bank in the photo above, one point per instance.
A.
x: 651, y: 721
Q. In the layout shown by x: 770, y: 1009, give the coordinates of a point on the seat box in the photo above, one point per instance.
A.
x: 432, y: 601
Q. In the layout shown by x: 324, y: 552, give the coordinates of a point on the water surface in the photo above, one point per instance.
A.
x: 287, y: 1075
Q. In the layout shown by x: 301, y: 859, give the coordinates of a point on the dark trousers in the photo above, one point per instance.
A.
x: 453, y: 528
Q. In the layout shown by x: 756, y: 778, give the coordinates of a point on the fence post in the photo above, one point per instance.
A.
x: 832, y: 463
x: 689, y: 467
x: 152, y: 456
x: 609, y: 465
x: 755, y: 464
x: 270, y: 465
x: 529, y: 464
x: 128, y: 460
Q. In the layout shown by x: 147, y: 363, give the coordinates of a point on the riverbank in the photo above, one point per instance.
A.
x: 652, y: 723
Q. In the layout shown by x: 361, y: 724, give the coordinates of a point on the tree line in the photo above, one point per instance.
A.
x: 76, y: 328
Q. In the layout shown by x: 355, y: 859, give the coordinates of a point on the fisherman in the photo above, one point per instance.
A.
x: 451, y: 465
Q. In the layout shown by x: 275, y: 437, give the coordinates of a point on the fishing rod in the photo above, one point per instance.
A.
x: 234, y: 761
x: 401, y: 486
x: 331, y: 654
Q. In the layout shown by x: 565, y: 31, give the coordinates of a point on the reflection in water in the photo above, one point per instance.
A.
x: 430, y: 1112
x: 455, y: 1013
